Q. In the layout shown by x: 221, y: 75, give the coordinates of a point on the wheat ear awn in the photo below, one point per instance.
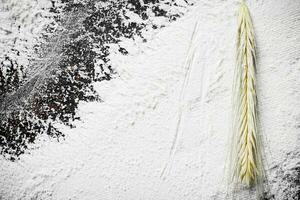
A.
x: 246, y: 156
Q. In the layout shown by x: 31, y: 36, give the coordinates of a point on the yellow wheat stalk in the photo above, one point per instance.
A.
x: 246, y: 156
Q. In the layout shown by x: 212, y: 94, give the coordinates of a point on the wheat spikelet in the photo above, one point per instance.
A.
x: 246, y: 155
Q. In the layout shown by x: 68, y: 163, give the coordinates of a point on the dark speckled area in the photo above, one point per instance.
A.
x: 53, y: 97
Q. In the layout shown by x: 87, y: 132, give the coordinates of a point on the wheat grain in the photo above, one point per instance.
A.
x: 246, y: 156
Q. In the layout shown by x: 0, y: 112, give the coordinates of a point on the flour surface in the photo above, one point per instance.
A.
x: 162, y: 129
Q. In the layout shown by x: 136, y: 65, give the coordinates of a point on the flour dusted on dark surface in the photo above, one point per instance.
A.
x: 66, y: 64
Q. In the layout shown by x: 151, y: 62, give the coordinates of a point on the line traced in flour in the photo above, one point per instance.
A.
x: 188, y: 64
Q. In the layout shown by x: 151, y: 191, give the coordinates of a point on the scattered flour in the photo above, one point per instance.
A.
x: 121, y: 146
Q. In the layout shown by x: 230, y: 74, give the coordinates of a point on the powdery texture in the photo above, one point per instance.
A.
x: 122, y: 146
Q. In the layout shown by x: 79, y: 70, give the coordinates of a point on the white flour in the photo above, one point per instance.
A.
x: 121, y: 147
